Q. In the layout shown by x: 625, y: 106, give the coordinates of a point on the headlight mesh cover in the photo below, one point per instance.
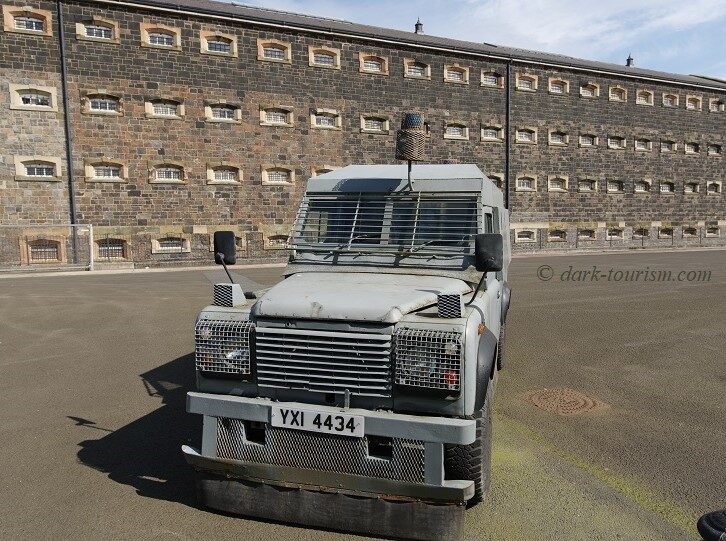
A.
x: 428, y: 358
x: 223, y: 346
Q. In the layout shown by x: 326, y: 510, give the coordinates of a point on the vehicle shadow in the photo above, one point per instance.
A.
x: 146, y: 454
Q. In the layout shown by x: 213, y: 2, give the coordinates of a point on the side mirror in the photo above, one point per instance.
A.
x: 225, y: 248
x: 489, y: 252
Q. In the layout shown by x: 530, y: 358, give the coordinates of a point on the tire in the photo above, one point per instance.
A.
x: 501, y: 346
x: 712, y: 526
x: 473, y: 462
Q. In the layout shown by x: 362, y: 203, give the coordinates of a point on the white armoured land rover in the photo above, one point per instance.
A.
x: 356, y: 394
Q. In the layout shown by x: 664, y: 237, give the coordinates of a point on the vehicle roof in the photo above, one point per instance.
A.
x: 392, y: 178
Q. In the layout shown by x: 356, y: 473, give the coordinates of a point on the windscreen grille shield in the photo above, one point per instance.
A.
x: 428, y: 358
x: 223, y: 346
x: 324, y: 361
x: 443, y: 224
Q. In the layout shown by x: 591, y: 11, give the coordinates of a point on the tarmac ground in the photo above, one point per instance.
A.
x: 610, y: 413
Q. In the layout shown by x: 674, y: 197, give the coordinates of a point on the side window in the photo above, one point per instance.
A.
x: 488, y: 223
x: 497, y: 221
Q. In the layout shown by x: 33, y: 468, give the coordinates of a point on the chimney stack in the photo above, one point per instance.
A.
x: 630, y: 62
x: 419, y: 27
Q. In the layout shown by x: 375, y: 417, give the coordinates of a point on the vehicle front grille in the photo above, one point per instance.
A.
x: 324, y: 361
x: 323, y: 452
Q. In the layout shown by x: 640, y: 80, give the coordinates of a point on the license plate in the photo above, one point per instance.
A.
x: 315, y: 421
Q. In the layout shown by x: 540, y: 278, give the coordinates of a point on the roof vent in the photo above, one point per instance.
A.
x: 419, y: 27
x: 630, y: 62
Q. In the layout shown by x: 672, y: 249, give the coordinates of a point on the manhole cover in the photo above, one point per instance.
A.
x: 563, y: 401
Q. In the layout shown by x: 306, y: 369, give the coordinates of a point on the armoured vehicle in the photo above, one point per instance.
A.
x: 356, y: 394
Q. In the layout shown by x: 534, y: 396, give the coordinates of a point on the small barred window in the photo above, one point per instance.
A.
x: 642, y: 186
x: 223, y: 112
x: 491, y: 133
x: 690, y: 187
x: 219, y: 45
x: 525, y: 235
x: 526, y: 83
x: 713, y: 188
x: 670, y: 100
x: 714, y: 150
x: 324, y: 59
x: 457, y: 75
x: 667, y: 187
x: 525, y: 183
x: 374, y: 124
x: 168, y: 173
x: 642, y: 144
x: 104, y: 104
x: 39, y: 169
x: 667, y: 146
x: 614, y: 186
x: 373, y: 65
x: 586, y: 185
x: 416, y: 69
x: 29, y: 22
x: 165, y: 108
x: 278, y: 176
x: 107, y: 171
x: 36, y: 98
x: 526, y: 136
x: 161, y: 39
x: 99, y: 31
x: 276, y: 116
x: 274, y: 52
x: 692, y: 148
x: 616, y: 142
x: 588, y: 140
x: 586, y: 234
x: 226, y: 174
x: 558, y: 184
x: 456, y: 131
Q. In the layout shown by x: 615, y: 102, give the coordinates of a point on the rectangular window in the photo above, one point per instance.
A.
x: 43, y: 250
x: 557, y: 138
x: 106, y: 171
x: 616, y: 142
x: 163, y: 40
x: 276, y: 116
x: 454, y: 75
x: 489, y: 79
x: 278, y: 175
x: 490, y: 134
x: 587, y: 140
x: 587, y: 91
x: 226, y: 175
x: 325, y: 121
x: 98, y: 31
x: 168, y: 173
x: 642, y: 144
x: 273, y: 53
x: 224, y: 113
x: 39, y: 99
x: 371, y: 64
x: 165, y: 109
x: 455, y: 131
x: 526, y: 84
x: 219, y: 46
x: 416, y: 70
x: 171, y: 244
x: 33, y: 24
x: 111, y: 249
x: 104, y: 104
x: 324, y: 59
x: 374, y: 124
x: 557, y: 87
x: 525, y: 183
x: 692, y: 148
x: 525, y: 135
x: 39, y: 170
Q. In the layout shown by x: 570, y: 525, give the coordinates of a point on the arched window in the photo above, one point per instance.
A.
x: 557, y: 235
x: 644, y: 97
x: 670, y: 100
x: 618, y: 93
x: 526, y: 183
x: 614, y: 186
x: 161, y: 38
x: 614, y: 233
x: 98, y: 103
x: 219, y: 44
x: 369, y: 63
x: 526, y: 82
x: 642, y: 186
x: 492, y: 78
x: 525, y: 236
x: 586, y: 234
x: 667, y: 187
x: 456, y: 74
x: 587, y: 185
x: 324, y: 57
x: 589, y: 90
x: 690, y: 232
x: 640, y: 232
x: 168, y: 174
x: 277, y: 175
x: 690, y: 187
x: 665, y: 233
x: 29, y: 22
x: 456, y: 131
x: 557, y: 184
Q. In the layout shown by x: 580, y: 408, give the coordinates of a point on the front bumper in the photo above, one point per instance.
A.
x: 309, y: 461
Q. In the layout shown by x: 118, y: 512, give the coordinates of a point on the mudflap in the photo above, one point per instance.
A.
x: 330, y: 510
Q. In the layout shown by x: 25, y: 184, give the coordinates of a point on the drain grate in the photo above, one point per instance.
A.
x: 563, y: 401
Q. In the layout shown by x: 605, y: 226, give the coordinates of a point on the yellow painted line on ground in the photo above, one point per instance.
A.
x: 668, y: 510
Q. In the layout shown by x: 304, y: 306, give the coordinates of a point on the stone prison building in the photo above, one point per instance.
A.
x: 161, y: 121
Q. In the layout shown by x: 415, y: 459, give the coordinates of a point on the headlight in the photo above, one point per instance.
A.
x: 428, y: 359
x: 222, y: 347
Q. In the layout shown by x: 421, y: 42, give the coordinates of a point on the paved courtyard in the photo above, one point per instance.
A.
x: 94, y: 370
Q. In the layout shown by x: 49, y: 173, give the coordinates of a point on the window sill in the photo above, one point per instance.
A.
x: 114, y: 41
x: 417, y: 77
x: 323, y: 66
x: 328, y: 128
x: 492, y: 140
x: 223, y: 183
x: 220, y: 55
x: 173, y: 48
x: 106, y: 180
x: 561, y: 94
x: 519, y: 142
x: 375, y: 132
x: 223, y: 120
x: 40, y: 108
x: 373, y: 72
x: 274, y: 60
x: 275, y: 125
x: 618, y: 192
x: 101, y: 113
x: 495, y: 87
x: 163, y: 182
x: 643, y: 150
x: 518, y: 89
x: 450, y: 81
x: 25, y: 178
x: 455, y: 138
x: 550, y: 143
x: 525, y: 190
x: 558, y: 190
x: 273, y: 183
x: 44, y: 33
x: 164, y: 117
